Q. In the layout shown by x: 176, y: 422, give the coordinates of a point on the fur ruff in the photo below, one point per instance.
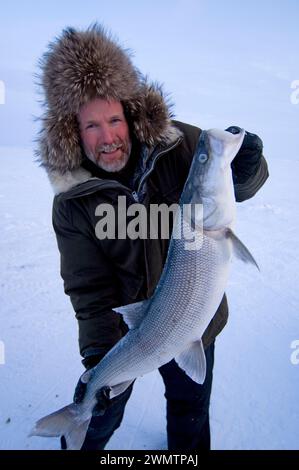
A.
x: 80, y: 66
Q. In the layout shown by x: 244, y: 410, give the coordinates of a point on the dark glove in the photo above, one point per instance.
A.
x: 245, y: 163
x: 102, y: 395
x: 81, y: 386
x: 89, y: 362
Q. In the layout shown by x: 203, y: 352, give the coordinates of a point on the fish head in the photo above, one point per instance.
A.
x: 210, y: 178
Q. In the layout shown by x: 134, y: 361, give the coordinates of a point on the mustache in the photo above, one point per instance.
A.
x: 109, y: 148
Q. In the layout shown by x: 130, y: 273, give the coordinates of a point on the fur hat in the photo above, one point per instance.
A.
x: 82, y: 65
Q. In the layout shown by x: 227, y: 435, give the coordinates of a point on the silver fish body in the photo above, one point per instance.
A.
x: 171, y: 323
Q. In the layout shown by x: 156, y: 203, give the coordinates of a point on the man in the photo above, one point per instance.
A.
x: 108, y: 133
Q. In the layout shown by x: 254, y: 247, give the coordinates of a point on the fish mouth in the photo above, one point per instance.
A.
x: 203, y: 145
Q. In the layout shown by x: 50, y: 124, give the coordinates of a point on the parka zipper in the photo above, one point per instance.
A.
x: 135, y: 196
x: 149, y: 171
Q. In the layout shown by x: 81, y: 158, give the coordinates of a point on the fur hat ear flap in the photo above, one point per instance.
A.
x: 59, y: 142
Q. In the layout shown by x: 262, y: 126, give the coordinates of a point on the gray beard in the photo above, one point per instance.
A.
x: 113, y: 166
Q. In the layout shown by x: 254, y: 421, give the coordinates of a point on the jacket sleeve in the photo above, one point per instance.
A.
x: 94, y: 274
x: 253, y: 182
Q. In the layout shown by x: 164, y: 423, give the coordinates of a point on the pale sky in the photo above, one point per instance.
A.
x: 223, y: 63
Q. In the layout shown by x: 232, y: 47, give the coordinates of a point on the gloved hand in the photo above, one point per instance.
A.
x: 248, y: 158
x: 81, y: 386
x: 102, y: 395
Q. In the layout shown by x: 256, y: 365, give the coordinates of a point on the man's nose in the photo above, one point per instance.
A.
x: 106, y: 136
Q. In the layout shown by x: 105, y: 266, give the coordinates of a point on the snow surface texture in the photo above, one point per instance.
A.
x: 254, y: 401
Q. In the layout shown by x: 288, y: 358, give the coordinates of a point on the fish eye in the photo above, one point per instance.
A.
x: 203, y: 157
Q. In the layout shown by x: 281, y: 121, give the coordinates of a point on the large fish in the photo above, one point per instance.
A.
x: 171, y: 323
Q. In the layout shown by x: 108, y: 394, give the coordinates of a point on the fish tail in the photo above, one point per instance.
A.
x: 69, y: 422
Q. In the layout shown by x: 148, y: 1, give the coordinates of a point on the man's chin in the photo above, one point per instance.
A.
x: 114, y: 165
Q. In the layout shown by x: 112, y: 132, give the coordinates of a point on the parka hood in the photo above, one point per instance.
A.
x: 80, y: 66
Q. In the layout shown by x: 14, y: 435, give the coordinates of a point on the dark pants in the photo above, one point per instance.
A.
x: 101, y: 428
x: 188, y: 427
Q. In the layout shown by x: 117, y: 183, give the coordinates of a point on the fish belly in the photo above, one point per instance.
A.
x: 183, y: 305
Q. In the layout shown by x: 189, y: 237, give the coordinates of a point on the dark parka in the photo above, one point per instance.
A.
x: 102, y: 274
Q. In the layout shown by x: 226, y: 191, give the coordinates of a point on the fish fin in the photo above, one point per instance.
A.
x: 240, y: 250
x: 193, y: 361
x: 76, y: 436
x: 116, y: 390
x: 133, y: 313
x: 64, y: 422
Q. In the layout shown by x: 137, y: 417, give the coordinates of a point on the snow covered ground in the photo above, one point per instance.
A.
x: 255, y: 391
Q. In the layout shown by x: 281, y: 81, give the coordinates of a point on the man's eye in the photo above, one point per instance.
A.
x: 115, y: 120
x: 90, y: 126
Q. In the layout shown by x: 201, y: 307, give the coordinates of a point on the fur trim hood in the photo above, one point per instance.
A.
x: 82, y: 65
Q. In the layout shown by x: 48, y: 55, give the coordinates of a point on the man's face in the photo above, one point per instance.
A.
x: 104, y: 133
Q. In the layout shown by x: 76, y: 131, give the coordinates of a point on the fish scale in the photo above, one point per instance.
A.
x: 176, y: 314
